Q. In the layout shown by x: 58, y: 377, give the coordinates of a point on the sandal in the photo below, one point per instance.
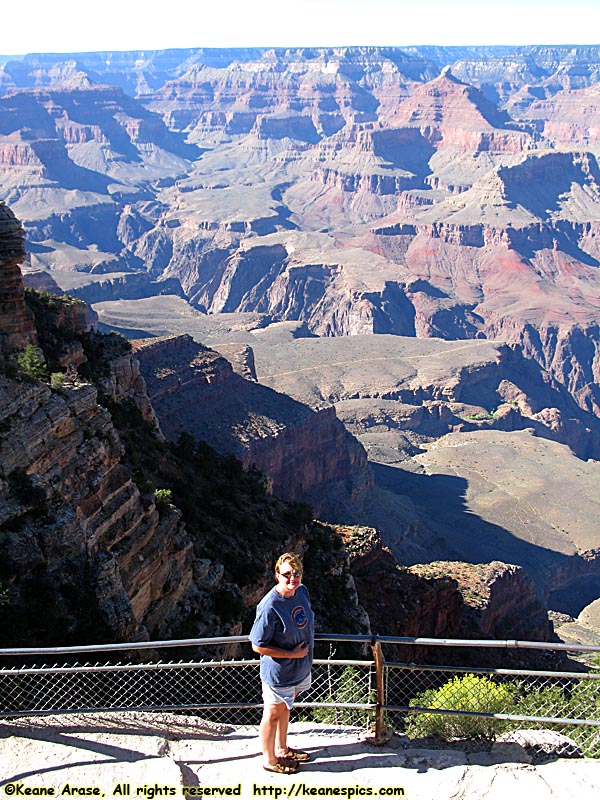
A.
x: 283, y: 767
x: 297, y: 755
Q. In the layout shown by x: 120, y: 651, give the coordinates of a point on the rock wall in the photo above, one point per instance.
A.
x: 124, y: 381
x: 304, y: 453
x: 570, y: 353
x: 87, y: 555
x: 573, y: 578
x: 74, y: 521
x: 16, y: 321
x: 507, y: 392
x: 445, y: 600
x: 379, y: 184
x: 400, y: 602
x: 131, y: 286
x: 500, y: 601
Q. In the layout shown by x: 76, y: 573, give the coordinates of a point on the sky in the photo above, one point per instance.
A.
x: 58, y: 26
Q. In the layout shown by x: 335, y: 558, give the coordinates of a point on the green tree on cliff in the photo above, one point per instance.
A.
x: 31, y: 363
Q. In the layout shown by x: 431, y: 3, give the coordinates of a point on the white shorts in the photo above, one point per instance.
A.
x: 284, y: 694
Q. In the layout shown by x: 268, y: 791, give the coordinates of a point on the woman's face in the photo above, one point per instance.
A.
x: 288, y: 579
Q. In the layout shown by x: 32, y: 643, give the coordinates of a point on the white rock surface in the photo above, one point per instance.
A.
x: 147, y: 756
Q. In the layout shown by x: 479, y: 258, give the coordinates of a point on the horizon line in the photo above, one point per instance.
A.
x: 283, y: 47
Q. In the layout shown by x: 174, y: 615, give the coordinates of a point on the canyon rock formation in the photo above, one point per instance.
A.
x: 16, y: 321
x: 359, y: 190
x: 77, y: 531
x: 282, y: 207
x: 307, y: 455
x: 444, y: 599
x: 91, y: 551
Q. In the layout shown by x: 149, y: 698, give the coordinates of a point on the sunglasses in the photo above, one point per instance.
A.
x: 295, y: 573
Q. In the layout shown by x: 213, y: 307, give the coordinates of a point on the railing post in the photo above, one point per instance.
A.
x: 382, y: 734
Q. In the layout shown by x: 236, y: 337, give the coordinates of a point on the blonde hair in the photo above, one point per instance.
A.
x: 288, y: 558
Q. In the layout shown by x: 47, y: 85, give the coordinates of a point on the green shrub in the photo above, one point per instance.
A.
x: 163, y: 499
x: 57, y: 380
x: 144, y: 485
x: 575, y: 700
x: 229, y: 603
x: 233, y: 468
x: 298, y: 515
x: 186, y: 445
x: 9, y: 368
x: 32, y: 364
x: 469, y: 693
x: 549, y: 701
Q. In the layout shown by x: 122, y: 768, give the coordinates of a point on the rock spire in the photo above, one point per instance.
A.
x: 17, y: 328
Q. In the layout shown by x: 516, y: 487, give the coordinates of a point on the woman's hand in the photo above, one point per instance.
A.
x: 299, y: 651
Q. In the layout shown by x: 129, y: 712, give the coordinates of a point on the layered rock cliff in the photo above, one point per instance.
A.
x: 79, y: 537
x: 306, y: 454
x: 77, y: 532
x: 500, y: 601
x: 481, y: 194
x: 92, y: 551
x: 16, y: 321
x: 445, y: 600
x: 398, y: 600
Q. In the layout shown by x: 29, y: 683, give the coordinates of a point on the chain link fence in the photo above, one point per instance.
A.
x: 145, y: 677
x: 464, y: 703
x: 352, y: 685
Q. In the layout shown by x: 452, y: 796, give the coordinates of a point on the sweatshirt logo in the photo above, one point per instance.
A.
x: 299, y: 617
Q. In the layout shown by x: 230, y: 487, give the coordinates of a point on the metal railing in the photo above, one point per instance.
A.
x: 352, y: 684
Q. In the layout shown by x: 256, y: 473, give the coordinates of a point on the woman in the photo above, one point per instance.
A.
x: 283, y: 634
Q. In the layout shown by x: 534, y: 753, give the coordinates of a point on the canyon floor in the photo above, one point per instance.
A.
x: 157, y: 755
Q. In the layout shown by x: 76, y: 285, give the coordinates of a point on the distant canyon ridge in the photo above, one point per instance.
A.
x: 405, y: 241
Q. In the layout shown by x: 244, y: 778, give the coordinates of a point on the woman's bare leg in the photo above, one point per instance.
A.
x: 273, y: 732
x: 281, y: 746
